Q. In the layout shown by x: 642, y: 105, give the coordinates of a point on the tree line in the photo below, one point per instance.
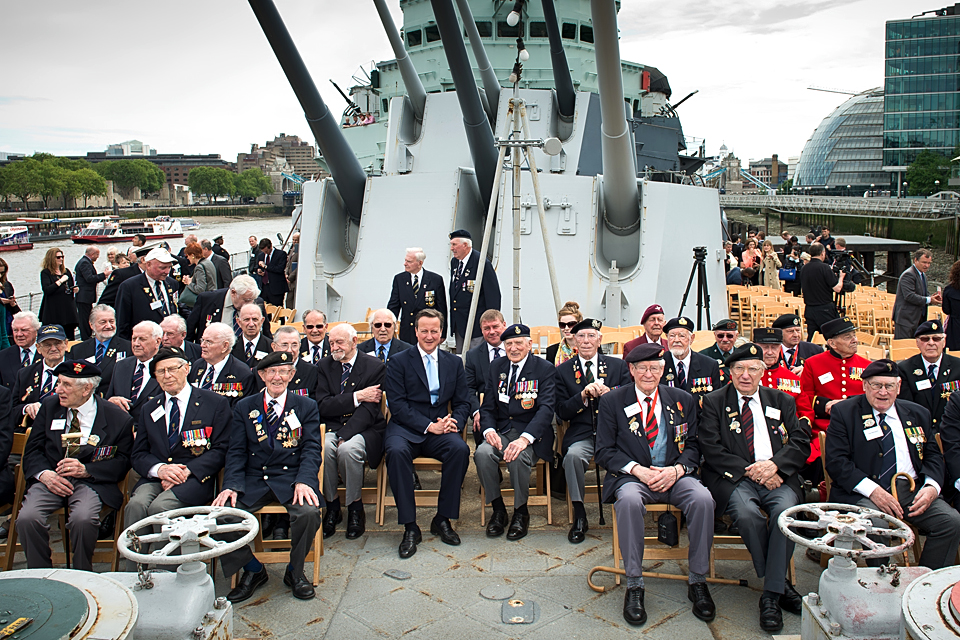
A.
x: 215, y: 182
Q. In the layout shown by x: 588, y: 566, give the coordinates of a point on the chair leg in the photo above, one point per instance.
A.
x: 483, y: 507
x: 318, y: 553
x: 546, y: 477
x: 616, y: 542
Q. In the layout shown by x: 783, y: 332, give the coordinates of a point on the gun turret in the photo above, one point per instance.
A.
x: 479, y: 133
x: 344, y: 166
x: 491, y: 85
x: 566, y: 97
x: 411, y: 80
x: 351, y: 105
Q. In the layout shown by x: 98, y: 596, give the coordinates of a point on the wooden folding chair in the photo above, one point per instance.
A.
x: 618, y: 339
x: 105, y: 549
x: 903, y: 353
x: 10, y: 547
x: 539, y: 495
x: 871, y: 353
x: 272, y: 310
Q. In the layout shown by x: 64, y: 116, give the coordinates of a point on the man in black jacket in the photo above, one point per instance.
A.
x: 118, y: 277
x: 818, y: 283
x: 384, y: 341
x: 220, y: 262
x: 464, y: 267
x: 795, y: 349
x: 152, y: 295
x: 39, y: 380
x: 24, y: 352
x: 218, y: 371
x: 477, y: 363
x: 133, y: 385
x: 931, y: 376
x: 104, y: 348
x: 414, y: 289
x: 87, y: 281
x: 271, y: 267
x: 252, y: 346
x: 223, y: 305
x: 685, y: 369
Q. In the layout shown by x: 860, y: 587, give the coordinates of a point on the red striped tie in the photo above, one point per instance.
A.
x: 746, y: 415
x: 650, y: 424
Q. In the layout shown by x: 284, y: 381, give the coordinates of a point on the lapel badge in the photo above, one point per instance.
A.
x: 503, y: 376
x: 93, y: 440
x: 917, y: 372
x: 869, y: 422
x: 669, y: 376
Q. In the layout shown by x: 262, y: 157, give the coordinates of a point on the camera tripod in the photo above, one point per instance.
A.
x: 703, y: 293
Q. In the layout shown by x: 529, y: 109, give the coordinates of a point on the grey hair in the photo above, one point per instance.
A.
x: 94, y: 382
x: 103, y: 308
x: 284, y: 330
x: 309, y: 311
x: 244, y: 284
x: 386, y: 312
x: 35, y: 323
x: 222, y: 332
x: 155, y: 330
x: 348, y: 328
x: 181, y: 323
x: 206, y: 244
x: 417, y: 253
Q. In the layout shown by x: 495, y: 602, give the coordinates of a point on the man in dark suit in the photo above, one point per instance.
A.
x: 274, y: 456
x: 181, y: 441
x: 873, y: 437
x: 476, y: 363
x: 647, y: 442
x: 24, y: 352
x: 175, y: 335
x: 384, y: 341
x: 271, y: 267
x: 223, y: 305
x: 464, y: 267
x: 104, y: 348
x: 314, y: 347
x: 348, y: 394
x: 78, y: 451
x: 150, y: 296
x: 218, y: 371
x: 414, y: 289
x: 133, y: 386
x: 221, y: 263
x: 429, y: 404
x: 7, y: 426
x: 304, y: 383
x: 516, y: 419
x: 253, y: 346
x: 581, y: 382
x: 118, y: 277
x: 253, y: 252
x: 753, y: 448
x: 795, y: 349
x: 87, y: 281
x: 693, y: 372
x: 726, y: 333
x: 913, y: 296
x: 218, y: 249
x: 931, y: 376
x: 39, y: 380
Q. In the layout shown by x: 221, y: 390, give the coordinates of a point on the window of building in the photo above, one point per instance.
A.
x: 538, y: 29
x: 414, y: 38
x: 568, y: 31
x: 586, y: 33
x: 432, y: 32
x: 485, y: 29
x: 506, y: 31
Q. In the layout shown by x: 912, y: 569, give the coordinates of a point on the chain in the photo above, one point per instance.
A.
x: 894, y: 572
x: 143, y: 577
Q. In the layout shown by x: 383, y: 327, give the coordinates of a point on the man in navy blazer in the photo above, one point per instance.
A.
x: 414, y: 289
x: 104, y: 348
x: 429, y: 403
x: 134, y: 385
x: 271, y: 267
x: 464, y: 267
x: 175, y: 335
x: 476, y: 363
x: 87, y: 281
x: 24, y: 352
x: 218, y: 371
x: 384, y: 342
x: 152, y: 295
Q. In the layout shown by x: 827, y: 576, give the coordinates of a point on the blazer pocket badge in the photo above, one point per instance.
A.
x: 429, y: 299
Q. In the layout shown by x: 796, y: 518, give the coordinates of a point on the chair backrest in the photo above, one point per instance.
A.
x: 618, y: 338
x: 903, y: 343
x: 867, y: 339
x: 903, y: 353
x: 871, y: 353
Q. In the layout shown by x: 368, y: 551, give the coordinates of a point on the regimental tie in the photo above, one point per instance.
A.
x: 26, y: 358
x: 163, y: 301
x: 588, y: 373
x: 236, y: 324
x: 74, y: 428
x: 746, y: 423
x: 416, y: 285
x: 101, y: 351
x: 345, y: 376
x: 681, y: 376
x: 513, y: 378
x: 137, y: 381
x: 888, y: 450
x: 207, y: 378
x: 47, y: 385
x: 496, y: 353
x: 249, y: 351
x: 650, y: 426
x: 273, y: 420
x: 173, y: 422
x: 381, y: 353
x: 316, y: 354
x: 932, y: 374
x: 790, y: 353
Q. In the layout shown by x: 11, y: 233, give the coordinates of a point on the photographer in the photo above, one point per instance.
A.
x: 818, y: 283
x: 792, y: 261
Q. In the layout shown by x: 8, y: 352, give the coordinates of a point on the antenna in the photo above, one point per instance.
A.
x: 828, y: 90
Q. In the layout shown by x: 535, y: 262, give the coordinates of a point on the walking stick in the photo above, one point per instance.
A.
x: 596, y: 467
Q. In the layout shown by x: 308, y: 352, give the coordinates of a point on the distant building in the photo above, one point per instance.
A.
x: 8, y: 156
x: 792, y: 166
x: 300, y: 155
x: 769, y: 171
x: 175, y: 166
x: 130, y: 148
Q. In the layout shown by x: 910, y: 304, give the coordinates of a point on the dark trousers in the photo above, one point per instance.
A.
x: 272, y: 298
x: 817, y: 315
x: 83, y: 315
x: 755, y: 510
x: 83, y: 525
x: 452, y: 452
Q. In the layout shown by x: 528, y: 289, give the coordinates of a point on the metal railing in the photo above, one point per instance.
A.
x: 847, y: 206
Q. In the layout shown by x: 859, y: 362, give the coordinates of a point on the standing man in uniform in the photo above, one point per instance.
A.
x: 931, y: 376
x: 464, y: 267
x: 414, y: 289
x: 776, y: 374
x: 652, y: 321
x: 384, y: 341
x: 87, y: 281
x: 685, y: 369
x: 795, y: 349
x: 913, y: 297
x: 152, y: 295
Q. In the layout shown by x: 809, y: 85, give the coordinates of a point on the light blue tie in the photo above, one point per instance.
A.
x: 433, y: 380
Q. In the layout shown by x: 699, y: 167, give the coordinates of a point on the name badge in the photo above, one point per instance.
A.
x: 873, y: 433
x: 632, y: 410
x: 292, y: 421
x: 825, y: 378
x: 157, y: 413
x: 58, y: 425
x: 92, y: 359
x: 155, y: 305
x: 772, y: 412
x: 504, y: 397
x: 923, y: 384
x: 260, y: 355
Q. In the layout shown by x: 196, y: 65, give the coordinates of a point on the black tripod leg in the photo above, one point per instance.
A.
x: 686, y: 292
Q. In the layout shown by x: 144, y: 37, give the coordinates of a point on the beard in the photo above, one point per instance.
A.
x: 679, y: 353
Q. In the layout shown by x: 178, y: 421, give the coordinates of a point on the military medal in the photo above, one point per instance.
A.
x: 735, y: 426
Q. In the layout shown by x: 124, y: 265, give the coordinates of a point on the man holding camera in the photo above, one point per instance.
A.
x: 910, y: 307
x: 818, y: 283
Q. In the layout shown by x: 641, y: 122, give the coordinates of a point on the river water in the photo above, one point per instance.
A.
x: 25, y: 265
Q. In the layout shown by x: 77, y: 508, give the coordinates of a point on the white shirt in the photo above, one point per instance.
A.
x: 32, y: 350
x: 686, y: 364
x: 182, y: 399
x: 217, y: 368
x: 657, y: 412
x: 762, y: 449
x: 153, y: 289
x: 43, y: 380
x: 936, y: 365
x: 492, y: 351
x: 900, y: 446
x: 519, y: 366
x: 86, y: 413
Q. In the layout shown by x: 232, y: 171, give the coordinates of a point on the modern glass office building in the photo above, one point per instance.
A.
x: 921, y: 89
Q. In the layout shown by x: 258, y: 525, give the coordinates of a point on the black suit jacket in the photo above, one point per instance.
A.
x: 87, y: 281
x: 306, y: 349
x: 27, y: 388
x: 476, y: 364
x: 612, y: 372
x: 851, y: 457
x: 118, y: 277
x: 537, y: 420
x: 370, y: 346
x: 209, y: 308
x: 461, y: 292
x: 236, y: 380
x: 701, y: 368
x: 621, y: 438
x: 222, y: 266
x: 724, y: 450
x: 263, y: 346
x: 134, y: 302
x: 8, y: 423
x: 192, y: 349
x: 431, y: 295
x: 337, y: 410
x: 276, y: 272
x: 205, y: 410
x: 804, y: 350
x: 10, y: 365
x: 107, y: 462
x: 253, y: 468
x: 117, y: 349
x: 933, y: 397
x: 122, y: 385
x: 411, y: 410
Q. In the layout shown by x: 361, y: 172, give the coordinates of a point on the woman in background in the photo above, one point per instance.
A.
x: 951, y: 307
x: 568, y: 317
x: 8, y: 306
x: 56, y: 282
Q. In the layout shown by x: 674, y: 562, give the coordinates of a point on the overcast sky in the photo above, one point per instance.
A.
x: 199, y: 77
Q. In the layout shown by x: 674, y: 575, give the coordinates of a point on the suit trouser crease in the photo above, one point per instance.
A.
x: 347, y: 461
x: 83, y: 524
x: 453, y: 454
x: 488, y: 460
x: 755, y: 510
x: 576, y: 461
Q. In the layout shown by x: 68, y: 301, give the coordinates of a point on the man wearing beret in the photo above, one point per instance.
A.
x: 274, y: 456
x: 39, y: 380
x: 776, y: 375
x: 873, y: 438
x: 78, y: 451
x: 931, y: 376
x: 581, y: 382
x: 753, y: 448
x: 647, y: 442
x: 827, y: 379
x: 795, y: 349
x: 304, y: 383
x: 181, y: 441
x: 725, y: 332
x: 685, y: 369
x: 464, y: 267
x: 652, y: 321
x: 516, y: 421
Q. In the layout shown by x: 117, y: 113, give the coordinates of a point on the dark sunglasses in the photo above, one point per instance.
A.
x: 314, y: 326
x: 728, y: 336
x: 568, y: 325
x: 60, y: 256
x: 931, y: 338
x: 378, y: 325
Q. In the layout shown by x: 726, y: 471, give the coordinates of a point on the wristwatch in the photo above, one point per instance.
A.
x: 688, y: 470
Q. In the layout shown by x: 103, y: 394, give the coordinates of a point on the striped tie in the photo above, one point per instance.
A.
x: 137, y: 382
x: 101, y: 351
x: 416, y: 285
x: 173, y: 423
x: 681, y: 376
x: 26, y: 358
x: 650, y: 426
x: 208, y: 378
x: 746, y: 415
x: 273, y: 420
x: 889, y: 456
x: 932, y: 374
x: 588, y: 374
x: 344, y: 377
x: 249, y: 352
x: 380, y: 354
x: 47, y: 385
x: 236, y: 324
x: 163, y: 301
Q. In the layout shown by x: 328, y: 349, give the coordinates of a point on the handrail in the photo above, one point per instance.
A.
x: 845, y: 205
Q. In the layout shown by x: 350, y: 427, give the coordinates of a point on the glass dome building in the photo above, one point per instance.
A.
x: 844, y: 155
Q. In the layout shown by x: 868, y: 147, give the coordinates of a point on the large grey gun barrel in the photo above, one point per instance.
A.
x: 344, y: 166
x: 479, y: 133
x: 491, y: 86
x: 620, y: 195
x: 411, y: 80
x: 566, y: 97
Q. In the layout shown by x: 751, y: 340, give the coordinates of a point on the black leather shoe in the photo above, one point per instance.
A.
x: 578, y: 531
x: 703, y: 606
x: 267, y: 523
x: 771, y: 618
x: 519, y: 524
x: 299, y: 585
x: 443, y: 529
x: 633, y: 611
x: 791, y: 600
x: 280, y: 532
x: 733, y: 529
x: 719, y: 526
x: 408, y: 546
x: 330, y: 521
x: 356, y: 524
x: 248, y: 583
x: 497, y: 524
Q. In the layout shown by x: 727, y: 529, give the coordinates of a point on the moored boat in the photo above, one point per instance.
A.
x: 188, y: 224
x: 112, y: 229
x: 14, y: 238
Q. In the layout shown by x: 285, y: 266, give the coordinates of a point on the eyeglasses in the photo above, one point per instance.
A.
x: 60, y: 257
x: 568, y: 325
x: 931, y: 338
x: 653, y: 368
x: 725, y: 336
x: 378, y: 325
x: 159, y: 373
x: 314, y: 326
x: 205, y: 341
x: 737, y: 371
x: 888, y: 386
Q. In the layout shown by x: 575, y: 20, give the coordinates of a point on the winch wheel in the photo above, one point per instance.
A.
x: 840, y: 527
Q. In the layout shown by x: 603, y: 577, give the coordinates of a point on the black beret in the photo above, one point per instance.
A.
x: 587, y: 323
x: 645, y: 352
x: 836, y: 327
x: 746, y: 351
x: 764, y: 335
x: 883, y: 367
x: 786, y: 321
x: 725, y: 325
x: 461, y: 233
x: 166, y: 353
x: 928, y: 327
x: 515, y: 331
x: 678, y: 323
x: 77, y: 369
x: 275, y: 359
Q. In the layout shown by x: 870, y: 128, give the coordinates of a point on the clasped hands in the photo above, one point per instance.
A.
x: 513, y: 449
x: 172, y: 474
x: 764, y: 472
x: 593, y: 390
x: 56, y: 479
x: 659, y: 479
x: 447, y: 424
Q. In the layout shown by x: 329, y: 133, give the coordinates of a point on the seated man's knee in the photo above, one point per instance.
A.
x: 352, y: 451
x: 631, y: 503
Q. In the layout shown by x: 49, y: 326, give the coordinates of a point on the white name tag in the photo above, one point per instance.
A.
x: 632, y: 410
x: 825, y: 378
x: 292, y: 421
x: 504, y: 397
x: 923, y: 384
x: 772, y: 412
x: 155, y: 305
x: 92, y: 359
x: 156, y: 414
x: 873, y: 433
x: 260, y: 355
x: 58, y: 425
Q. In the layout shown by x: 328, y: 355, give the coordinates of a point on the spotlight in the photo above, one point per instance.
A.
x: 513, y: 19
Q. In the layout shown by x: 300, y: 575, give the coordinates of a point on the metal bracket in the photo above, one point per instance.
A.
x: 567, y: 222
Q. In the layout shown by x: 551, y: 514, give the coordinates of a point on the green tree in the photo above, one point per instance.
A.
x: 127, y: 174
x: 212, y: 182
x: 53, y: 181
x: 928, y: 168
x: 252, y: 183
x: 90, y: 183
x: 23, y: 179
x: 785, y: 186
x: 5, y: 186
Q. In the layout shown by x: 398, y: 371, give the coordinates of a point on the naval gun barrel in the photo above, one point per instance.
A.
x: 620, y: 195
x: 344, y: 167
x: 479, y: 133
x: 566, y: 97
x: 411, y: 80
x: 491, y: 85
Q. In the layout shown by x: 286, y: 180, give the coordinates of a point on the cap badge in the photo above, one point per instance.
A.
x: 682, y: 322
x: 516, y: 330
x: 596, y: 324
x: 753, y: 351
x: 934, y: 326
x: 77, y: 368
